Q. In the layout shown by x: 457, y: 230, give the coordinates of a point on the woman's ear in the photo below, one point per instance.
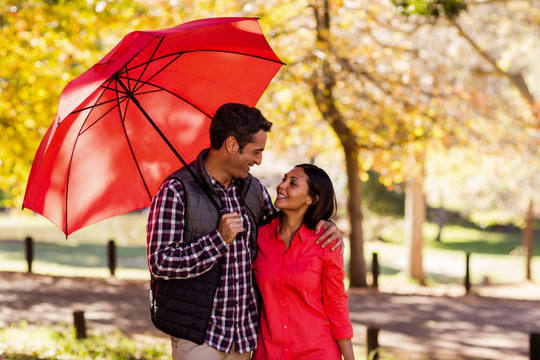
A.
x: 313, y: 200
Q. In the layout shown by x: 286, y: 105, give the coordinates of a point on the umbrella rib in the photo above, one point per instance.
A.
x: 177, y: 55
x: 154, y: 75
x: 146, y: 66
x: 173, y: 149
x: 97, y: 103
x: 71, y: 158
x: 129, y: 142
x: 173, y: 94
x: 236, y: 53
x: 102, y: 116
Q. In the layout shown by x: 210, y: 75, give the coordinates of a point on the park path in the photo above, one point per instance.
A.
x: 444, y: 327
x: 448, y: 327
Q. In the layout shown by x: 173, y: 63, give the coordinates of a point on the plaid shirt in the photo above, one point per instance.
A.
x: 234, y: 314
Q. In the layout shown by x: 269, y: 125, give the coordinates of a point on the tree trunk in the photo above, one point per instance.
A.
x: 357, y: 268
x: 528, y: 240
x: 322, y: 84
x: 415, y: 215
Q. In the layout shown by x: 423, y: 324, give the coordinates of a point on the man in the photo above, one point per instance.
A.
x: 202, y: 290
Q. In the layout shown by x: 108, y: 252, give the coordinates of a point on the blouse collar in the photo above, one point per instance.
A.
x: 304, y: 233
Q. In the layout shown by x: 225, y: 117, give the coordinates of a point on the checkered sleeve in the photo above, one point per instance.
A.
x: 168, y: 256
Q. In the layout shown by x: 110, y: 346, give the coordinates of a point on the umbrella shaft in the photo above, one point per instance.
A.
x: 203, y: 186
x: 136, y: 102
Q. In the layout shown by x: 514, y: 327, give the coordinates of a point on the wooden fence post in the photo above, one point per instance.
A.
x: 79, y: 323
x: 29, y: 251
x: 111, y: 256
x: 467, y: 273
x: 534, y: 346
x: 372, y: 342
x: 375, y: 270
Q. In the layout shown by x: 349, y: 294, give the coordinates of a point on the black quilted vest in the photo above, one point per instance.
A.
x: 182, y: 307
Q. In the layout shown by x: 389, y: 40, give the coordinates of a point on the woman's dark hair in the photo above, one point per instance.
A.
x: 321, y: 190
x: 238, y: 120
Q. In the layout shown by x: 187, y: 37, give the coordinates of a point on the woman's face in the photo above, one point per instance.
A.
x: 292, y: 192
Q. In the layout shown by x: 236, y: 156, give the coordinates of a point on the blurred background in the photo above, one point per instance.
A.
x: 426, y: 114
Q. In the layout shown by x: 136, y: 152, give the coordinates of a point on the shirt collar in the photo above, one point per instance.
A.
x: 303, y: 233
x: 209, y: 178
x: 199, y: 165
x: 216, y: 183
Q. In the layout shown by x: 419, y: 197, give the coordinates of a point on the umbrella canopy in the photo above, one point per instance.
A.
x: 142, y: 112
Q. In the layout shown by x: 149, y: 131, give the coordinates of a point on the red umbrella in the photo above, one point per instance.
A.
x: 142, y: 112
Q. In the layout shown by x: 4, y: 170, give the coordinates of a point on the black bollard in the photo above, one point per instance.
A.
x: 111, y: 256
x: 375, y: 270
x: 372, y: 342
x: 467, y: 273
x: 29, y: 251
x: 79, y: 323
x: 534, y: 346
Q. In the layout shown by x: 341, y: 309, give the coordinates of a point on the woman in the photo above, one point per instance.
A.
x: 304, y: 312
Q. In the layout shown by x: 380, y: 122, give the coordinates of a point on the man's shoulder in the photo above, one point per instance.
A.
x: 255, y: 180
x: 171, y: 184
x: 179, y: 175
x: 250, y: 185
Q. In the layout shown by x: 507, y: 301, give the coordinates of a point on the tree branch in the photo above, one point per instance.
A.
x: 484, y: 2
x: 515, y: 79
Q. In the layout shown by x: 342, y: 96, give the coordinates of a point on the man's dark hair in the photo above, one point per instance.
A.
x: 321, y: 190
x: 238, y: 120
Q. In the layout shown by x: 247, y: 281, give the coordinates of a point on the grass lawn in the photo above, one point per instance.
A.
x: 493, y: 254
x: 46, y: 342
x: 25, y: 342
x: 84, y: 253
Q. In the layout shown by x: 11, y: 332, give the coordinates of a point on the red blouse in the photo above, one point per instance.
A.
x: 304, y: 308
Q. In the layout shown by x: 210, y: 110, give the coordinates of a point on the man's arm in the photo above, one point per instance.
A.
x: 330, y: 235
x: 169, y: 257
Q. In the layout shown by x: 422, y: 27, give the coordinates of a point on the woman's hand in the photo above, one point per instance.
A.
x: 346, y: 348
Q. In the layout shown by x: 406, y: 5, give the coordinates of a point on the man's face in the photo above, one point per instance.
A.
x: 251, y: 154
